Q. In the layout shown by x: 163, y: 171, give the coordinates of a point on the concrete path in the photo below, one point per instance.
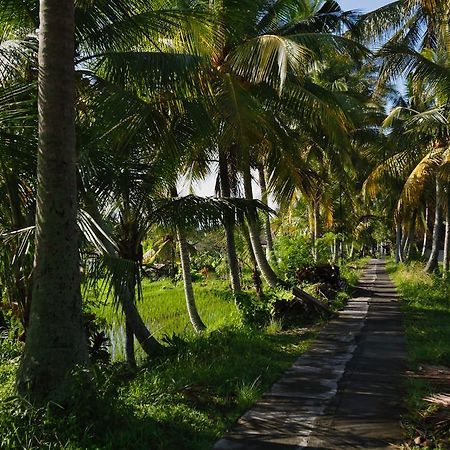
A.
x: 346, y: 391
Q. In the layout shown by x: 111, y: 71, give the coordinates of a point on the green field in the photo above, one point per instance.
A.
x: 163, y: 309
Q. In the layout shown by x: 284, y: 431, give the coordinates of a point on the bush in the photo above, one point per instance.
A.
x: 293, y: 253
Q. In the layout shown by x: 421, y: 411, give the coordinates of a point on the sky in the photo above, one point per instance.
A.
x: 363, y: 5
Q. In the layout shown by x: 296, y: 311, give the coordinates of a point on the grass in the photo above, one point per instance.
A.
x: 186, y: 399
x: 163, y: 309
x: 426, y: 304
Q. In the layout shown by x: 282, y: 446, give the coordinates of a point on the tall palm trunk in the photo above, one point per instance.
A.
x: 269, y: 275
x: 432, y: 264
x: 410, y: 241
x: 425, y: 233
x: 254, y: 231
x: 267, y: 229
x: 315, y: 229
x: 447, y: 234
x: 194, y: 316
x: 56, y: 344
x: 229, y: 224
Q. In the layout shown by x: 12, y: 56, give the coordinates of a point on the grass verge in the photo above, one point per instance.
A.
x: 426, y: 305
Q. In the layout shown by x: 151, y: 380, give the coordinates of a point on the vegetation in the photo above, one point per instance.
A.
x: 426, y: 303
x: 116, y: 283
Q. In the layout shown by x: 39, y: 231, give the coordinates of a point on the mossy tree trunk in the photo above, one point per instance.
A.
x: 56, y: 343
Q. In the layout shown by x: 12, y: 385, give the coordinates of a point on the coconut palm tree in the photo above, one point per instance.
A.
x: 55, y: 344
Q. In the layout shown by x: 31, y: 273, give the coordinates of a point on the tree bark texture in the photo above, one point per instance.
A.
x: 432, y: 264
x: 194, y: 316
x: 56, y: 343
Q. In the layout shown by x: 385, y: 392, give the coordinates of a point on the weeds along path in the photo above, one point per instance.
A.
x: 346, y: 391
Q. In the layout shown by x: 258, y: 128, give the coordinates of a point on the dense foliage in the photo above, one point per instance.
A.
x: 339, y: 119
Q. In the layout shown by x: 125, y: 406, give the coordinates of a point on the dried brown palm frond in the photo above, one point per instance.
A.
x: 439, y: 399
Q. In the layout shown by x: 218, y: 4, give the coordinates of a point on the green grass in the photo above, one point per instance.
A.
x: 426, y: 305
x: 185, y: 400
x: 163, y: 309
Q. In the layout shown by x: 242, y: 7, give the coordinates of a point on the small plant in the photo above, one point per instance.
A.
x: 248, y: 393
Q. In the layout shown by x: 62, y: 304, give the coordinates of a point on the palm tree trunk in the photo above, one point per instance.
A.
x: 256, y: 276
x: 425, y: 233
x: 315, y: 230
x: 398, y: 242
x: 269, y: 275
x: 194, y: 316
x: 432, y: 264
x: 447, y: 234
x: 229, y: 225
x: 267, y: 229
x: 254, y: 231
x: 125, y: 296
x: 56, y: 343
x: 129, y: 345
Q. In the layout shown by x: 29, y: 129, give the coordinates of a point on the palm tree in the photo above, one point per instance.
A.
x: 55, y: 344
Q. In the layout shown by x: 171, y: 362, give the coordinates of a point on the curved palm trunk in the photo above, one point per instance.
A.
x: 267, y: 229
x: 194, y: 316
x: 269, y: 275
x: 229, y: 225
x: 56, y: 344
x: 410, y: 241
x: 129, y: 345
x: 125, y: 296
x: 432, y: 264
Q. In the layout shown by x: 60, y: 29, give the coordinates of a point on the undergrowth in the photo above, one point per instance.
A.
x: 184, y: 400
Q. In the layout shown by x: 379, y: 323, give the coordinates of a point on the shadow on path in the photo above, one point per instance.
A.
x: 346, y: 391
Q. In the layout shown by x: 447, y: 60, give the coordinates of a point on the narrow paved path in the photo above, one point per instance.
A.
x: 344, y: 393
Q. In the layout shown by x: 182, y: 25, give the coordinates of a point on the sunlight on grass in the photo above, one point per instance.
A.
x: 163, y: 310
x: 426, y: 305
